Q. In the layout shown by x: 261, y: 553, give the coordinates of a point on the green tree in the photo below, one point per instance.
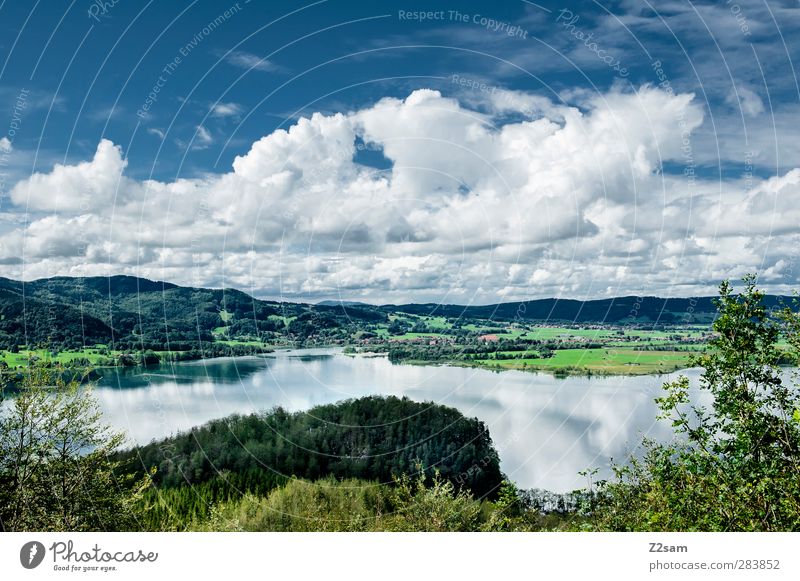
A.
x: 54, y: 469
x: 439, y: 507
x: 736, y: 464
x: 372, y: 437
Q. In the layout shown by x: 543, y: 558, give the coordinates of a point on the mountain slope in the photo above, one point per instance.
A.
x: 628, y: 309
x: 136, y: 313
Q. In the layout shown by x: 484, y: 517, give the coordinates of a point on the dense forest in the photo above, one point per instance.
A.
x: 373, y: 438
x: 628, y: 309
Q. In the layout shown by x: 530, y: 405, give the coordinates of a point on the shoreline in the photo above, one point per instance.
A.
x: 554, y: 371
x: 563, y: 371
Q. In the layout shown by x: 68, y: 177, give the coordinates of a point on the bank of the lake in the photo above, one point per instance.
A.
x: 654, y: 363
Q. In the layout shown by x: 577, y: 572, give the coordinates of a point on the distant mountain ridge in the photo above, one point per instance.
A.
x: 627, y: 309
x: 337, y: 302
x: 141, y: 313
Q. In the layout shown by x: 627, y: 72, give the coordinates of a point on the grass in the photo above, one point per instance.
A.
x: 22, y: 358
x: 284, y: 320
x: 97, y: 354
x: 599, y: 361
x: 437, y: 322
x: 510, y: 334
x: 613, y: 334
x: 617, y: 351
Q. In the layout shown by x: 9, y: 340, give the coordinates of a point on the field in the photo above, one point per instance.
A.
x: 520, y: 345
x: 560, y: 349
x: 23, y: 357
x: 598, y: 361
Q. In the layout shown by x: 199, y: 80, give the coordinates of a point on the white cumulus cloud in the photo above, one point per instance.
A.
x: 571, y: 200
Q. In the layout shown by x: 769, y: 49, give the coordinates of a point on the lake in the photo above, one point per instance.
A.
x: 546, y: 429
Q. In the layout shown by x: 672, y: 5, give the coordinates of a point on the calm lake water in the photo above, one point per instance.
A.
x: 546, y: 429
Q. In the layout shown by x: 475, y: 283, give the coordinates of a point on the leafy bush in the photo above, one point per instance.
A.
x: 351, y: 505
x: 55, y: 474
x: 735, y: 466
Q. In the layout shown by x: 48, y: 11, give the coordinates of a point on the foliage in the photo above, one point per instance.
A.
x: 134, y: 314
x: 168, y: 508
x: 735, y: 466
x: 54, y: 469
x: 352, y: 505
x: 439, y: 507
x: 371, y: 438
x: 641, y: 309
x: 325, y: 505
x: 408, y: 504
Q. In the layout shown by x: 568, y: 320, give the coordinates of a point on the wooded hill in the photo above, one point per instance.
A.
x: 374, y: 438
x: 138, y: 314
x: 620, y: 310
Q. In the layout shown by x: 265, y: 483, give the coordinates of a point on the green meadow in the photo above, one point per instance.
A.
x: 604, y: 361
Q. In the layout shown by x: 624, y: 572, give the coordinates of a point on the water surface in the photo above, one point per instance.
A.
x: 546, y: 429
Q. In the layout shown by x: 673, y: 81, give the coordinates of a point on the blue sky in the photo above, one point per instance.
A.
x: 158, y: 99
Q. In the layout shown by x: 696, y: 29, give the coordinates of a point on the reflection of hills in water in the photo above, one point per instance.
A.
x: 220, y: 370
x: 305, y: 354
x: 309, y: 358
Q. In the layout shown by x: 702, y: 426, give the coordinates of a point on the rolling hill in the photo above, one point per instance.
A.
x: 136, y: 313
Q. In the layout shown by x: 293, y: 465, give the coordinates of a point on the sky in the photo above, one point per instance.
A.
x: 398, y: 151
